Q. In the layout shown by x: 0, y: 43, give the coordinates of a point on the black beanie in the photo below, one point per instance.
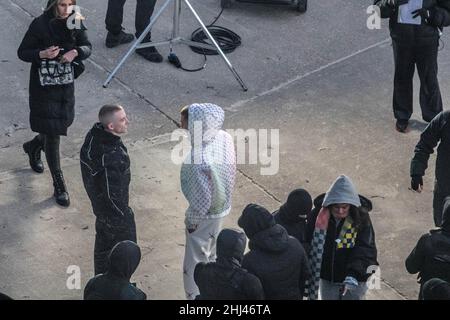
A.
x: 299, y: 202
x: 254, y: 219
x: 436, y: 289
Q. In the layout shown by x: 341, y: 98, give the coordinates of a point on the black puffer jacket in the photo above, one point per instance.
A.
x: 431, y: 256
x: 424, y: 34
x: 105, y: 168
x: 115, y: 284
x: 340, y: 263
x: 225, y: 279
x: 276, y: 258
x: 51, y: 107
x: 438, y: 130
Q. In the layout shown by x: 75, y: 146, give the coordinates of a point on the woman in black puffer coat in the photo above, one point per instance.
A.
x: 51, y: 38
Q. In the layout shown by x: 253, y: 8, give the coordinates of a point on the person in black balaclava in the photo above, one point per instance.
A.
x: 431, y: 256
x: 292, y: 215
x: 277, y: 259
x: 225, y: 279
x: 415, y: 45
x: 115, y: 283
x: 436, y: 289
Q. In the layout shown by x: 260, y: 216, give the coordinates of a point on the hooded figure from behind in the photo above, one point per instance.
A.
x: 431, y: 256
x: 277, y: 259
x: 292, y: 215
x: 207, y: 180
x: 436, y: 289
x: 225, y: 279
x: 115, y: 283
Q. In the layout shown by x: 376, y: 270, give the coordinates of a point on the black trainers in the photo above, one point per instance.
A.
x: 116, y: 40
x: 150, y: 54
x: 401, y: 125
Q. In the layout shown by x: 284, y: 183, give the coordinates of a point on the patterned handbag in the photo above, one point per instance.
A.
x: 54, y: 73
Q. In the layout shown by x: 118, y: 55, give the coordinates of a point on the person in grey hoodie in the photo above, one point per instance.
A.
x: 207, y: 182
x: 343, y: 252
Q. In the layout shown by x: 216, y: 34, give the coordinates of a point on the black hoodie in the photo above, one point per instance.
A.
x: 276, y: 258
x: 431, y: 256
x: 292, y: 215
x: 225, y: 279
x: 115, y: 284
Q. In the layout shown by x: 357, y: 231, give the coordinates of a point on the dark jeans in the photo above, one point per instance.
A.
x: 405, y: 59
x: 114, y: 16
x: 439, y: 194
x: 107, y: 236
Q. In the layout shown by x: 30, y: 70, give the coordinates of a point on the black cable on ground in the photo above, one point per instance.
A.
x: 227, y: 40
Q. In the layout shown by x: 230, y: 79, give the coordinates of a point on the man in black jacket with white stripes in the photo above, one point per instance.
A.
x: 105, y: 168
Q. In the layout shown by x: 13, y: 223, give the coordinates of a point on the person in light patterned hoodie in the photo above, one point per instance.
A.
x: 207, y: 181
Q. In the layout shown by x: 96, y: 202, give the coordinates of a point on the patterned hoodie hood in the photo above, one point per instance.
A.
x: 208, y: 173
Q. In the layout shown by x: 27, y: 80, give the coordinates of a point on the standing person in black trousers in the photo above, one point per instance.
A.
x: 415, y: 45
x: 51, y: 45
x: 116, y: 35
x: 105, y: 168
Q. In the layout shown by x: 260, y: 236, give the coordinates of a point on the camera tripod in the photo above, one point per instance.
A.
x: 175, y: 39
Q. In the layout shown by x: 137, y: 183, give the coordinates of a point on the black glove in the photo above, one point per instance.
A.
x: 416, y: 181
x: 426, y: 14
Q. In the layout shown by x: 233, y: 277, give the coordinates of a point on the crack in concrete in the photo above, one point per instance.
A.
x: 259, y: 186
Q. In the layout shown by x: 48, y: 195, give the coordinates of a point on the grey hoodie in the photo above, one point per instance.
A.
x: 342, y: 191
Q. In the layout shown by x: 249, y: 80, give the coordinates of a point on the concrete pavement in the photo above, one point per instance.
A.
x: 323, y: 79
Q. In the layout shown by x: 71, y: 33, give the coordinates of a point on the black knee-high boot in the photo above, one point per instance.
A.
x: 51, y: 148
x: 33, y: 148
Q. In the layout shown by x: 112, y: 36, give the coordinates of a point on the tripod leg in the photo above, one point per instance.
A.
x: 230, y: 66
x: 136, y: 43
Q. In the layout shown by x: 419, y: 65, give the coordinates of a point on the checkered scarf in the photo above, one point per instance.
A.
x: 346, y: 240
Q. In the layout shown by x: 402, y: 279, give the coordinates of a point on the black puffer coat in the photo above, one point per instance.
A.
x: 105, y: 168
x: 431, y: 256
x: 51, y: 107
x: 340, y: 263
x: 225, y: 279
x: 437, y: 131
x: 276, y: 258
x: 420, y: 35
x: 115, y: 283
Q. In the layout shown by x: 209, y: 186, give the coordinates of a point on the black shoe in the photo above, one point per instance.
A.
x: 401, y: 125
x: 33, y: 148
x: 150, y: 54
x: 113, y: 40
x: 61, y: 195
